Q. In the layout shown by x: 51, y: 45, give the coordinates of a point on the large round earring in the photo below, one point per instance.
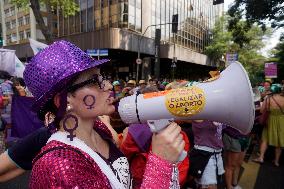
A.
x: 72, y: 130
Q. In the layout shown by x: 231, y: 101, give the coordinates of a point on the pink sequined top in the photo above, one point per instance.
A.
x: 66, y: 168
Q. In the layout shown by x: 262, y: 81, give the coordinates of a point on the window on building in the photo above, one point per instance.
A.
x: 13, y: 37
x: 12, y: 10
x: 124, y: 18
x: 13, y: 24
x: 90, y: 15
x: 55, y: 25
x: 7, y: 12
x: 8, y: 25
x: 22, y: 35
x: 8, y: 38
x: 21, y: 21
x: 27, y: 18
x: 28, y: 33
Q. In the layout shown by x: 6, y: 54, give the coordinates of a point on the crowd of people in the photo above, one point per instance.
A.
x: 9, y: 87
x: 84, y: 143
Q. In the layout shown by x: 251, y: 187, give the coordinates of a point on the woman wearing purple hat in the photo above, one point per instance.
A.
x: 81, y: 154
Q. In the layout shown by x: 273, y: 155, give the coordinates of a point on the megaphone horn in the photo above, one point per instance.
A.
x: 228, y: 99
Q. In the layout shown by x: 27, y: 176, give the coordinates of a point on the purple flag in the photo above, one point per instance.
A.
x: 24, y: 121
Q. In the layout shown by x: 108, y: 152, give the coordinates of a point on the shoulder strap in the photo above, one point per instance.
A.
x: 60, y: 148
x: 277, y: 105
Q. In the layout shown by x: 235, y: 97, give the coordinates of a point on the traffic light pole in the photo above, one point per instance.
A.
x: 139, y: 43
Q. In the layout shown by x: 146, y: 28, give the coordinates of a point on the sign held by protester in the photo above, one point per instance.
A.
x: 270, y: 70
x: 231, y: 57
x: 7, y: 60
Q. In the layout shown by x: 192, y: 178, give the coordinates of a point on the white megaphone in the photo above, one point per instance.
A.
x: 228, y: 99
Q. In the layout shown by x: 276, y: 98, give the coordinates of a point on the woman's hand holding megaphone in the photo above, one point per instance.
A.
x: 168, y: 144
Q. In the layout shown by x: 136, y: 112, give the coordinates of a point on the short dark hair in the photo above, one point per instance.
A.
x: 149, y: 89
x: 49, y: 107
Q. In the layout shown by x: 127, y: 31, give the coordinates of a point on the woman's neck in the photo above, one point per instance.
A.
x: 84, y: 131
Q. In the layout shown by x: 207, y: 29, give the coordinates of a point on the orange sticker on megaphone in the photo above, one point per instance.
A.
x: 155, y: 94
x: 184, y: 102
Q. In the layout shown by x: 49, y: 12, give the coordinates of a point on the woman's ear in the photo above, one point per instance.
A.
x: 56, y: 100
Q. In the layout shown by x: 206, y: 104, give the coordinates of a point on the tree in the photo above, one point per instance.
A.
x: 278, y: 56
x: 68, y: 7
x: 279, y: 50
x: 260, y: 11
x: 248, y: 50
x: 220, y: 42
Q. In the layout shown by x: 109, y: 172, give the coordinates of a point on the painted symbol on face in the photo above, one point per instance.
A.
x: 70, y: 131
x: 89, y: 101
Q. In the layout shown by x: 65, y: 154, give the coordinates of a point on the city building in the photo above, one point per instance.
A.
x: 124, y: 30
x: 18, y: 25
x: 118, y: 25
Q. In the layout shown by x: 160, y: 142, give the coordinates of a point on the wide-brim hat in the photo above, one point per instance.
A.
x: 142, y: 82
x: 132, y: 82
x: 52, y: 69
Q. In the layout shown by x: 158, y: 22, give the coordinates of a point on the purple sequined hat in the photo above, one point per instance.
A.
x: 51, y: 70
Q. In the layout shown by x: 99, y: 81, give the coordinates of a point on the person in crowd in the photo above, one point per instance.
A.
x: 152, y: 82
x: 164, y: 84
x: 18, y: 89
x: 142, y: 85
x: 235, y: 146
x: 266, y: 90
x: 117, y: 91
x: 273, y: 133
x: 136, y: 146
x: 131, y: 84
x: 18, y: 158
x: 115, y: 119
x: 6, y: 92
x: 82, y: 148
x: 206, y: 156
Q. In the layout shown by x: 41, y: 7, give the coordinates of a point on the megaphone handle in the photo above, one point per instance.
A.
x: 158, y: 125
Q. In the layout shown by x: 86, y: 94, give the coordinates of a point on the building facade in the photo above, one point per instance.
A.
x: 19, y: 24
x: 129, y: 26
x: 126, y: 27
x: 196, y: 18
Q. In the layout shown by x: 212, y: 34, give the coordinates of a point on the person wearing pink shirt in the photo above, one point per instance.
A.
x: 81, y: 153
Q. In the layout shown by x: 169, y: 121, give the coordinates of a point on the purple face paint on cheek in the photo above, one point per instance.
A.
x: 89, y: 101
x: 70, y: 131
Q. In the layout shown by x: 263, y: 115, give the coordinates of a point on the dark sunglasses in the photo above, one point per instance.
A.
x: 97, y: 79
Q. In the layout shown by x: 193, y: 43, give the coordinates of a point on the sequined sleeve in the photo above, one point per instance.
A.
x: 65, y: 168
x: 157, y: 174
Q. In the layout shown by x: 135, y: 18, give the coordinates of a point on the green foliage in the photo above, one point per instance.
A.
x: 220, y: 42
x: 260, y: 11
x: 278, y: 56
x: 279, y: 51
x: 68, y: 7
x: 247, y: 45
